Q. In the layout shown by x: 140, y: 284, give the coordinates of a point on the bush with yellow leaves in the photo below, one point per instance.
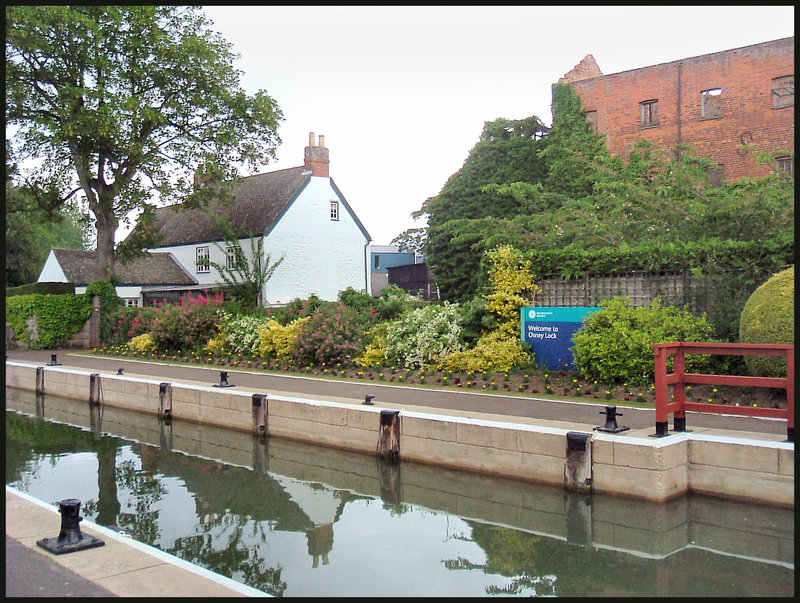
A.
x: 277, y: 340
x: 143, y: 343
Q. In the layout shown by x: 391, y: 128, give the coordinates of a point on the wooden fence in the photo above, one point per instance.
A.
x: 677, y: 288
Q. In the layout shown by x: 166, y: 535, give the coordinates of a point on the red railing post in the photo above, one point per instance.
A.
x: 679, y: 378
x: 679, y: 389
x: 662, y: 415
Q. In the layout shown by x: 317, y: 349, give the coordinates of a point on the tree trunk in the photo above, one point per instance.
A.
x: 106, y: 224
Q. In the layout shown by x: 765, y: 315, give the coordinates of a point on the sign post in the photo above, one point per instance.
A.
x: 549, y: 331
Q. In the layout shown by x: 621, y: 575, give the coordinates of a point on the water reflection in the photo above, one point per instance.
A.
x: 300, y: 520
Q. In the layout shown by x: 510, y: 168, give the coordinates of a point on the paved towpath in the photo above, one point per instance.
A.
x: 503, y: 407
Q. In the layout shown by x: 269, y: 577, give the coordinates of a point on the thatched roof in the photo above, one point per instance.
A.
x: 155, y: 268
x: 256, y: 204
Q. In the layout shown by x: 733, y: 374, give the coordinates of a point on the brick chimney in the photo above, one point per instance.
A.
x: 316, y: 159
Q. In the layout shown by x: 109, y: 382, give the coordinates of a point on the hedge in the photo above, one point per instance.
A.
x: 42, y: 288
x: 59, y: 317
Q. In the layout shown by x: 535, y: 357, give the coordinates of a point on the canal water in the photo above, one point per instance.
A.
x: 295, y: 519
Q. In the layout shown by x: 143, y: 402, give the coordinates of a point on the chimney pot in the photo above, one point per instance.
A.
x: 316, y: 157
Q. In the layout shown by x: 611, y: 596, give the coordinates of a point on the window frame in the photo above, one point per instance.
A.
x: 202, y: 255
x: 775, y: 96
x: 707, y: 110
x: 334, y: 211
x: 648, y: 113
x: 782, y: 170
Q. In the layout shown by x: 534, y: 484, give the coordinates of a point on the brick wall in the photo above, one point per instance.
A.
x: 745, y: 76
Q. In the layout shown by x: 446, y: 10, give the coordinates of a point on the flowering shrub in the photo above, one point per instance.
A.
x: 276, y: 340
x: 512, y: 287
x: 142, y: 343
x: 424, y: 336
x: 491, y: 353
x: 297, y: 308
x: 375, y: 353
x: 186, y: 327
x: 334, y: 334
x: 239, y: 334
x: 131, y: 322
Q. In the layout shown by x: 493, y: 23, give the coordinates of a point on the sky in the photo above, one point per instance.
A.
x: 401, y: 93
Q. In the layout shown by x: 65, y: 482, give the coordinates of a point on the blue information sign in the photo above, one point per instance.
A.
x: 549, y: 331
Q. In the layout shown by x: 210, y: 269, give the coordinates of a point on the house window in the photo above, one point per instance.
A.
x: 131, y: 302
x: 712, y: 103
x: 785, y: 166
x: 230, y: 262
x: 201, y: 263
x: 649, y: 110
x: 377, y: 262
x: 334, y: 210
x: 591, y: 120
x: 716, y: 176
x: 783, y: 91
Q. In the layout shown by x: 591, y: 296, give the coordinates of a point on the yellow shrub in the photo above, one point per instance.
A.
x: 375, y: 353
x: 275, y: 340
x: 492, y: 353
x: 216, y: 344
x: 142, y: 343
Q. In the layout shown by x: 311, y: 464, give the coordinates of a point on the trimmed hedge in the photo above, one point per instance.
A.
x: 59, y: 317
x: 41, y: 288
x: 572, y: 262
x: 768, y: 317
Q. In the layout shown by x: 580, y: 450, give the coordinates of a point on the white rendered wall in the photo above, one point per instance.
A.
x: 52, y: 272
x: 186, y: 255
x: 322, y: 256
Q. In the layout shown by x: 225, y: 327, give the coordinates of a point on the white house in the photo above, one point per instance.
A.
x: 302, y: 217
x: 154, y: 271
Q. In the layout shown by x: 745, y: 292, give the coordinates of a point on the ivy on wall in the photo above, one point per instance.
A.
x: 58, y: 317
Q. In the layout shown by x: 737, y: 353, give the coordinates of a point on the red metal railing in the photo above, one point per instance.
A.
x: 679, y: 378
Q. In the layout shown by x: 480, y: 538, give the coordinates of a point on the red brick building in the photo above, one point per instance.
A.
x: 714, y: 103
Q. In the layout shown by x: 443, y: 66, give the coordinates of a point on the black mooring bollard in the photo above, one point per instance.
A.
x: 223, y: 380
x: 70, y: 538
x: 611, y: 420
x: 119, y: 371
x: 368, y: 400
x: 54, y: 360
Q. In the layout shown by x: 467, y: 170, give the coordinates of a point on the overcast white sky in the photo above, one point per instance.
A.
x: 401, y: 93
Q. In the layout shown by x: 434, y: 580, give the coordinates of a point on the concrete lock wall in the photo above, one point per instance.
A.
x: 656, y: 469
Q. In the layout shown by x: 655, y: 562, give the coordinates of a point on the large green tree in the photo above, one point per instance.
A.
x: 121, y: 104
x: 31, y: 231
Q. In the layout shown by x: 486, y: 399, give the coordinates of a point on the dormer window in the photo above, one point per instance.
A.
x: 334, y: 210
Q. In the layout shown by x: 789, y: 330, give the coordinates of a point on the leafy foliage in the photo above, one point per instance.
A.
x: 59, y: 317
x: 334, y: 334
x: 121, y: 103
x: 277, y: 340
x: 110, y: 303
x: 130, y: 322
x: 188, y: 326
x: 768, y: 317
x: 616, y: 343
x: 237, y: 334
x: 512, y: 286
x: 424, y: 336
x: 581, y: 210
